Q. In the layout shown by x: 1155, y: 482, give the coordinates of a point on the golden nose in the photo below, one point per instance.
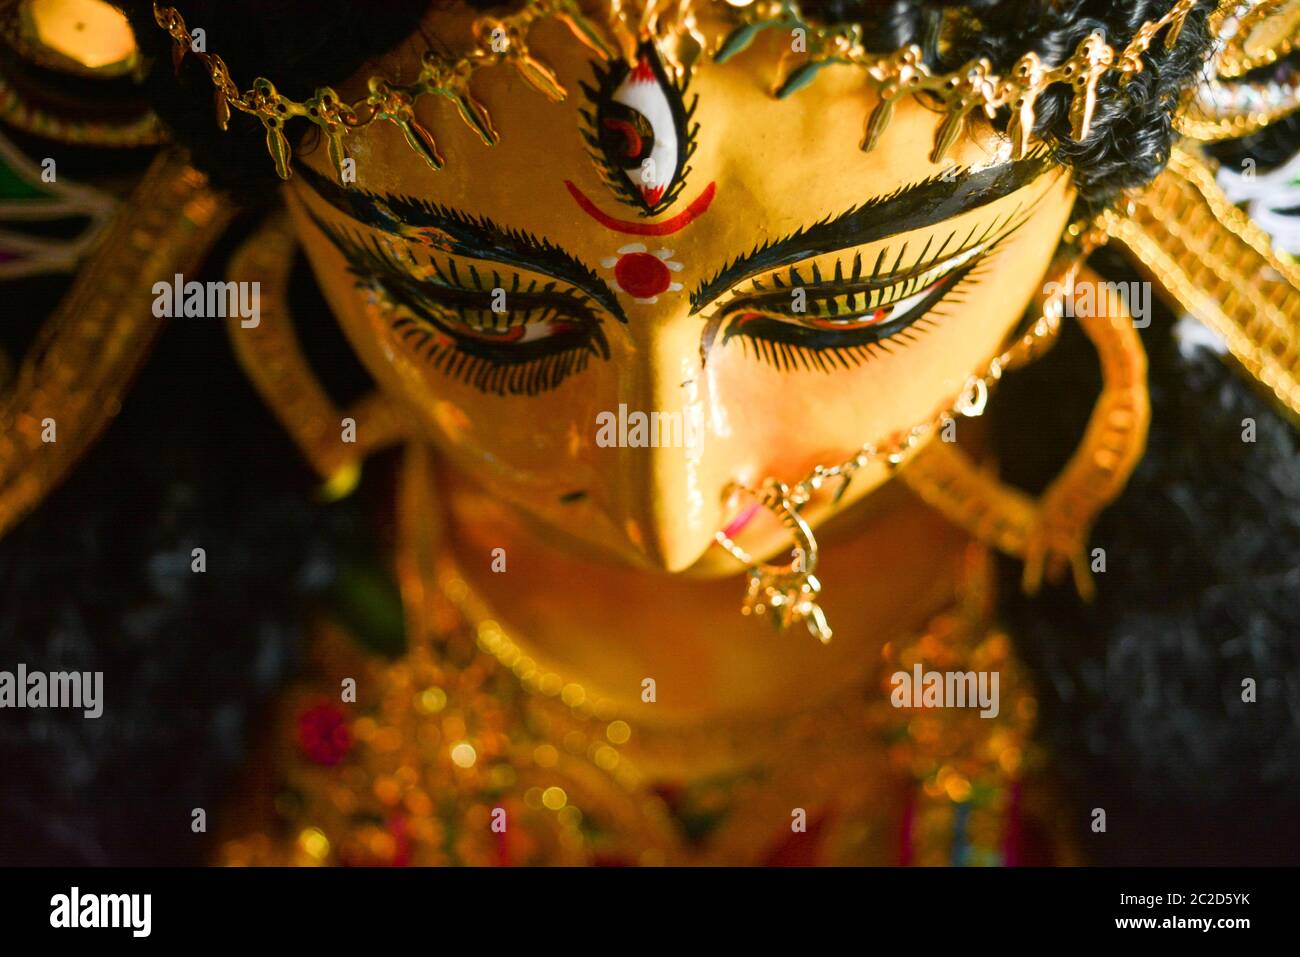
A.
x: 670, y: 471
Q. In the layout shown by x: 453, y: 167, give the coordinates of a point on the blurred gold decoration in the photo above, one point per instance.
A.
x: 28, y: 202
x: 61, y: 49
x: 83, y: 37
x: 78, y: 371
x: 271, y: 356
x: 1253, y: 33
x: 583, y: 784
x: 1216, y: 264
x: 1249, y: 34
x: 19, y: 110
x: 1223, y: 110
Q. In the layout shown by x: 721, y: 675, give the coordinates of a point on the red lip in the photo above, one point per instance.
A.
x: 741, y: 520
x: 694, y: 211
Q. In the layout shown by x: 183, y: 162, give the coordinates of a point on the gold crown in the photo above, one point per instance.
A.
x: 504, y: 40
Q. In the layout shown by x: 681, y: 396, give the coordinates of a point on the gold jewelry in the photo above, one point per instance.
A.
x: 1051, y: 533
x: 500, y: 40
x: 971, y: 86
x: 674, y: 27
x: 1045, y: 534
x: 272, y: 357
x: 75, y: 376
x: 789, y: 592
x: 1210, y: 258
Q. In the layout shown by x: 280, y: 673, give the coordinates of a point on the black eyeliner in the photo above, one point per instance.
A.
x: 468, y: 352
x: 939, y: 198
x: 822, y: 348
x: 461, y: 234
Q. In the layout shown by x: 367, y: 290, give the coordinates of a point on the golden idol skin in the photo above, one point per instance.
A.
x: 733, y: 263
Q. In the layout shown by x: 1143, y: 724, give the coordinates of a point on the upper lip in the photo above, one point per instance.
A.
x: 742, y: 518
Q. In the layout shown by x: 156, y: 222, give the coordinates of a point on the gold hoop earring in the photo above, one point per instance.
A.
x: 272, y: 358
x: 1051, y: 532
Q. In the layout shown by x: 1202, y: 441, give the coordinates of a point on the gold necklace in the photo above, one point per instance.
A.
x: 468, y: 724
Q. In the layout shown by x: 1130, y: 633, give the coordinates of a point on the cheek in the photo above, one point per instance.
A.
x: 790, y: 421
x: 529, y: 448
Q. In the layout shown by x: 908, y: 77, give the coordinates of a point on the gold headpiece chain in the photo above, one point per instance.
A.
x: 504, y: 40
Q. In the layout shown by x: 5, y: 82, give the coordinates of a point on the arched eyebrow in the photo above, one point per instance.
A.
x: 459, y: 233
x: 939, y: 198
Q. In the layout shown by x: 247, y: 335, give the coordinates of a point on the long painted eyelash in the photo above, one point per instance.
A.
x: 848, y: 294
x: 541, y: 301
x: 469, y: 236
x: 491, y: 368
x: 788, y: 355
x: 778, y: 348
x: 902, y: 283
x: 495, y: 368
x: 528, y: 378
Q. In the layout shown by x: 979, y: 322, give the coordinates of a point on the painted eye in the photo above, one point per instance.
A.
x: 639, y: 128
x: 852, y: 306
x: 878, y: 316
x: 848, y: 320
x: 517, y: 333
x: 627, y: 138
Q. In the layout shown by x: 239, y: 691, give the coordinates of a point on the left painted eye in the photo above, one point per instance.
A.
x: 878, y: 316
x: 639, y: 128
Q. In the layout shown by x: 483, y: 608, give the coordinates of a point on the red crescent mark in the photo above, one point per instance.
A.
x: 669, y: 226
x: 631, y: 137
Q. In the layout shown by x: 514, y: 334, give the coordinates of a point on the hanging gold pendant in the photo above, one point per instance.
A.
x: 787, y: 594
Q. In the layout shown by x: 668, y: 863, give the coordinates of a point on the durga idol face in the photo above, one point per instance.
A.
x: 667, y: 287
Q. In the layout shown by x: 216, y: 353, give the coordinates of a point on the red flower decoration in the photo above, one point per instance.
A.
x: 323, y: 734
x: 401, y: 841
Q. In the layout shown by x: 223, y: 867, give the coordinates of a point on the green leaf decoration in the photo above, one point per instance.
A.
x: 802, y: 75
x: 739, y: 39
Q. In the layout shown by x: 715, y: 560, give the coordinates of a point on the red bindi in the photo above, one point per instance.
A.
x: 642, y: 275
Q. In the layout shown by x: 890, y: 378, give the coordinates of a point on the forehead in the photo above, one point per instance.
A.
x: 758, y: 167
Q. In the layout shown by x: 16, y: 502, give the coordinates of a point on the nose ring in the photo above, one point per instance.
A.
x: 786, y: 593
